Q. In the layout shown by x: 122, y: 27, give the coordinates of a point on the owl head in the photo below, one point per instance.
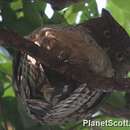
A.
x: 113, y: 38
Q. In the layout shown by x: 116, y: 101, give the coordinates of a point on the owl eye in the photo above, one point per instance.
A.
x: 107, y: 33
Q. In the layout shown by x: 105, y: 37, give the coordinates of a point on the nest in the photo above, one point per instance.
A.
x: 48, y: 96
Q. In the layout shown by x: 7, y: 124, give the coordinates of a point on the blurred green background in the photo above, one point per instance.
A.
x: 24, y: 16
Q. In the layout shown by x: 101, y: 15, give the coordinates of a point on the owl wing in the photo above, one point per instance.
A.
x: 81, y: 60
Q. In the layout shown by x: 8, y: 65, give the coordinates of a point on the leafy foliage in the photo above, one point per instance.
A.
x: 123, y: 13
x: 24, y: 16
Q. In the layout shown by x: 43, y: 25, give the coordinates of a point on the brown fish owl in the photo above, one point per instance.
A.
x: 53, y: 96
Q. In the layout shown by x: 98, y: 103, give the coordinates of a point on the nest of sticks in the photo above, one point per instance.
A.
x: 48, y: 96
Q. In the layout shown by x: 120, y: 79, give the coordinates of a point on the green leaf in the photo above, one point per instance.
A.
x: 122, y: 4
x: 39, y: 5
x: 9, y: 92
x: 117, y: 99
x: 31, y: 14
x: 122, y: 16
x: 92, y: 8
x: 71, y: 14
x: 15, y: 5
x: 128, y: 74
x: 8, y: 15
x: 57, y: 18
x: 87, y: 11
x: 5, y: 65
x: 114, y: 127
x: 11, y: 112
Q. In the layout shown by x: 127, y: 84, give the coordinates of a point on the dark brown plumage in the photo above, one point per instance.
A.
x: 81, y: 55
x: 64, y: 110
x: 113, y: 39
x: 55, y: 83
